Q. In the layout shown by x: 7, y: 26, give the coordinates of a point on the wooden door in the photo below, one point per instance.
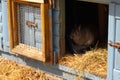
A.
x: 29, y: 29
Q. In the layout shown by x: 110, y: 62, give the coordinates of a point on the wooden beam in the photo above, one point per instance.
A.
x: 35, y: 1
x: 98, y: 1
x: 10, y: 28
x: 47, y: 37
x: 62, y: 28
x: 29, y: 51
x: 27, y: 3
x: 15, y: 23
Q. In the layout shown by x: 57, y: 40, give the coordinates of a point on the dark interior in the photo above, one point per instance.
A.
x: 79, y: 12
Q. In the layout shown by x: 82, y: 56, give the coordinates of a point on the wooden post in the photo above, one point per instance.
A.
x: 62, y: 28
x: 47, y: 36
x: 10, y: 24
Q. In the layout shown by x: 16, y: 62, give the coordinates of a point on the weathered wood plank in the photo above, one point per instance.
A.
x: 46, y: 32
x: 36, y: 1
x: 50, y: 35
x: 1, y: 44
x: 0, y: 6
x: 117, y: 39
x: 101, y: 1
x: 1, y: 27
x: 117, y: 34
x: 29, y: 51
x: 103, y: 22
x: 27, y: 3
x: 111, y: 37
x: 10, y: 24
x: 62, y: 28
x: 116, y: 74
x: 0, y: 17
x: 15, y: 22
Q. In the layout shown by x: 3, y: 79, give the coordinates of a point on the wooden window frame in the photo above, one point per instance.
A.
x: 35, y: 1
x: 45, y: 54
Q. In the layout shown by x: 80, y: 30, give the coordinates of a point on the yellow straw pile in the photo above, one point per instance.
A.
x: 12, y: 71
x: 93, y: 62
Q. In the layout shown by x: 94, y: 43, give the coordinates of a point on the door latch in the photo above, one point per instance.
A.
x: 31, y: 24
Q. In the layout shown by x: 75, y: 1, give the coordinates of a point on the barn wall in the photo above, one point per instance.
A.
x: 114, y: 53
x: 1, y: 26
x: 4, y: 28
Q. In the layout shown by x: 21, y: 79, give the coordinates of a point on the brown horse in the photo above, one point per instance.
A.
x: 83, y: 37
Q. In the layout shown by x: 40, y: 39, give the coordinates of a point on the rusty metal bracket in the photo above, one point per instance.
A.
x: 115, y: 44
x: 31, y: 24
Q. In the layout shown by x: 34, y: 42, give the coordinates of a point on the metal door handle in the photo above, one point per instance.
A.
x: 31, y: 24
